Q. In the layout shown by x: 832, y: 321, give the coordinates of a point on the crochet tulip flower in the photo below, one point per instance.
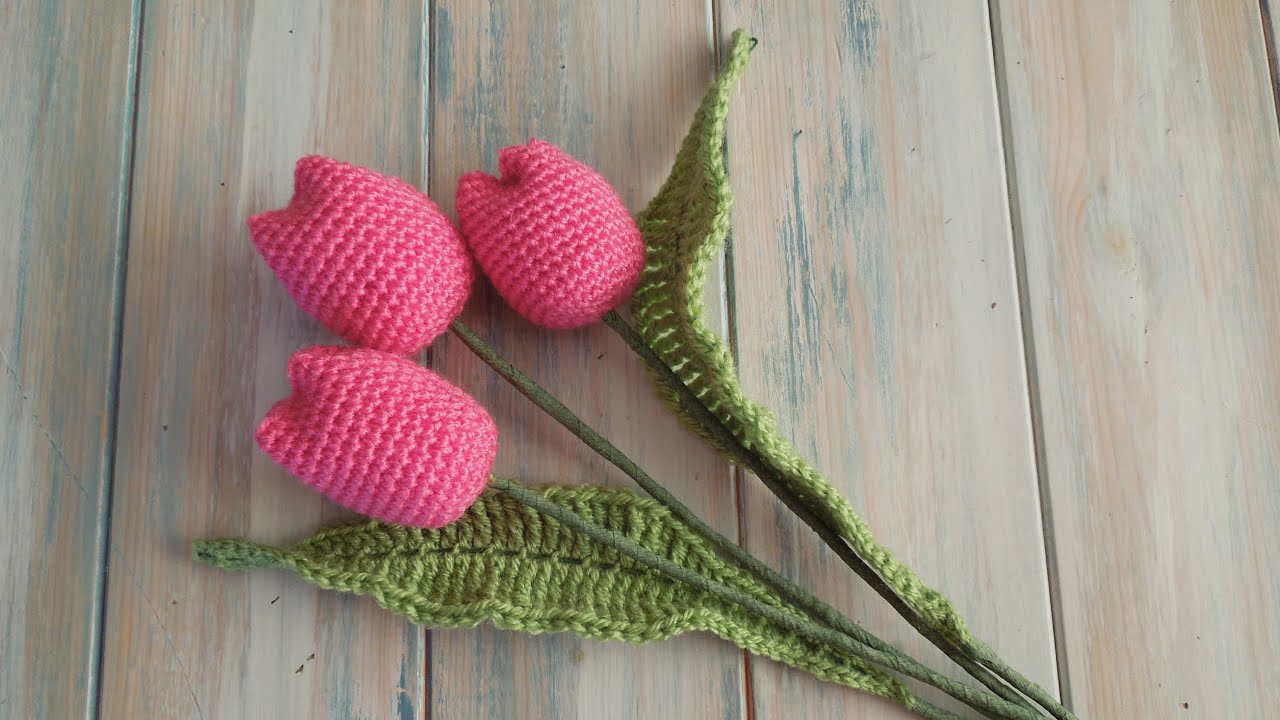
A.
x: 381, y: 435
x: 552, y: 235
x: 369, y: 256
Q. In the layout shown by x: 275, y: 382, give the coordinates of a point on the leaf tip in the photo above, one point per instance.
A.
x: 233, y: 554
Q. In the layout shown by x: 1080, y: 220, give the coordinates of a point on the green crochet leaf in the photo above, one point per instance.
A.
x: 685, y: 226
x: 506, y: 564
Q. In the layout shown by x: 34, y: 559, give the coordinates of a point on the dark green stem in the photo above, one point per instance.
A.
x: 971, y: 659
x: 774, y: 482
x: 987, y: 656
x: 805, y: 628
x: 562, y: 414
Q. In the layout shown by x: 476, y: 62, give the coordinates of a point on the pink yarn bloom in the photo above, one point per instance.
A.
x: 382, y: 435
x: 367, y: 255
x: 552, y: 235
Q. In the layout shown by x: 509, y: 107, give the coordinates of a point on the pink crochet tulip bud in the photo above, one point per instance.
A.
x: 552, y: 235
x: 382, y: 435
x: 367, y: 255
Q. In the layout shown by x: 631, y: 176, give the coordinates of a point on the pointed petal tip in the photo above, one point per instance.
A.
x: 474, y: 186
x: 263, y: 227
x: 306, y: 364
x: 274, y: 427
x: 311, y: 168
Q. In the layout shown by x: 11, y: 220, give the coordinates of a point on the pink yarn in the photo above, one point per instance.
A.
x: 552, y: 235
x: 382, y: 435
x: 367, y: 255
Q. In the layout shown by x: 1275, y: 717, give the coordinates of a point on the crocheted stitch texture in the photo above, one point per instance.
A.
x: 369, y: 256
x: 381, y: 435
x: 684, y: 227
x: 552, y: 235
x: 505, y: 563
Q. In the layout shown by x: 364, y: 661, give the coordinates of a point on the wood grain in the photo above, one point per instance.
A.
x: 1144, y: 143
x: 231, y: 94
x: 876, y: 310
x: 65, y: 99
x: 615, y: 84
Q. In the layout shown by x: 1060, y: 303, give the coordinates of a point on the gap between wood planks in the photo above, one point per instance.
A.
x: 1269, y: 28
x: 106, y: 500
x: 426, y: 118
x: 999, y: 64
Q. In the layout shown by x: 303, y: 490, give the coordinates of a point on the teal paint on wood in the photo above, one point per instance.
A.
x: 861, y: 216
x: 442, y: 53
x: 860, y: 22
x: 802, y: 309
x: 405, y: 709
x: 231, y: 94
x: 65, y: 112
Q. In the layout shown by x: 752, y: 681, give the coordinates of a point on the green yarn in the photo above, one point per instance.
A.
x: 875, y: 649
x: 507, y: 564
x: 684, y: 227
x: 803, y: 600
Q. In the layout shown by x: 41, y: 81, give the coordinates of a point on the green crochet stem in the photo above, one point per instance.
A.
x: 558, y: 411
x: 684, y: 227
x: 796, y: 624
x: 752, y: 461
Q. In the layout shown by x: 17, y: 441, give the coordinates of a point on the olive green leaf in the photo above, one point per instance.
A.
x: 506, y: 564
x: 684, y: 227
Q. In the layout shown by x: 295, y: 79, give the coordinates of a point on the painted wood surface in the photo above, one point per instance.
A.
x: 1147, y: 173
x: 65, y: 93
x: 979, y: 252
x: 877, y: 312
x: 616, y: 85
x: 230, y: 95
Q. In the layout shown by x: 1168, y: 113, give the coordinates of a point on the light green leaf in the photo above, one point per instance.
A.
x: 684, y: 227
x: 506, y: 564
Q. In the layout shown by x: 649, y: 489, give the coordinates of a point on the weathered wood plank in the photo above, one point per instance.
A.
x: 615, y: 84
x: 876, y: 310
x: 231, y: 95
x: 65, y: 98
x: 1147, y: 159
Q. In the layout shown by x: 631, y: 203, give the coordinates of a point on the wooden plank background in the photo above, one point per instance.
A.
x: 65, y: 116
x: 1007, y: 272
x: 229, y: 95
x: 1148, y: 181
x: 882, y: 322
